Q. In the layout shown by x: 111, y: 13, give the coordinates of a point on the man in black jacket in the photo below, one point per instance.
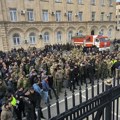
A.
x: 35, y: 99
x: 50, y: 83
x: 21, y: 105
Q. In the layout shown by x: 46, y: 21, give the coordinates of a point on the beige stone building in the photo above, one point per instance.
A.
x: 28, y: 23
x: 118, y: 20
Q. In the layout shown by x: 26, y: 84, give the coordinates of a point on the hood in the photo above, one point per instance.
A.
x: 3, y: 108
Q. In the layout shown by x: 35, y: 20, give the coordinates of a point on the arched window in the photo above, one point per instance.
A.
x: 80, y: 32
x: 110, y: 32
x: 70, y: 33
x: 46, y: 37
x: 59, y: 36
x: 32, y: 38
x: 16, y: 39
x: 102, y: 32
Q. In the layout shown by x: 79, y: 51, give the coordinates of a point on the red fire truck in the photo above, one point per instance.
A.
x: 100, y: 41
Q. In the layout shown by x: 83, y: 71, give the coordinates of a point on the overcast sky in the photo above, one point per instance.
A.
x: 118, y: 0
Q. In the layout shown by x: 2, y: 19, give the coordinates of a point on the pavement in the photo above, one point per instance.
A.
x: 69, y: 97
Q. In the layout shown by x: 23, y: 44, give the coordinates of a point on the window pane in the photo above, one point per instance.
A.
x: 13, y: 14
x: 102, y: 2
x: 110, y: 32
x: 45, y: 15
x: 69, y: 15
x: 16, y: 39
x: 58, y: 16
x: 46, y: 37
x: 30, y: 15
x: 32, y: 38
x: 57, y: 0
x: 93, y: 16
x: 80, y: 1
x: 69, y: 1
x: 70, y: 35
x: 80, y: 16
x: 110, y: 2
x: 102, y: 16
x: 59, y: 35
x: 93, y: 2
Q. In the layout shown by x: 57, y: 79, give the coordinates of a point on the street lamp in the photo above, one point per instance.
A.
x: 26, y: 42
x: 41, y: 37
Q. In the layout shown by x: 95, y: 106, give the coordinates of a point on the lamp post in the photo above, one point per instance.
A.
x: 40, y: 40
x: 26, y: 43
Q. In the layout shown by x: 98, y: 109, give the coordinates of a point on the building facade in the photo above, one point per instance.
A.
x: 28, y: 23
x: 118, y: 20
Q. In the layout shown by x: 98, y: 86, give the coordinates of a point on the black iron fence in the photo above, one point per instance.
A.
x: 100, y: 103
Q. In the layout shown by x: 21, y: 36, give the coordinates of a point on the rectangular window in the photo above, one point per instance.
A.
x: 102, y: 16
x: 102, y: 2
x: 69, y: 1
x: 13, y: 14
x: 110, y: 2
x: 93, y: 16
x: 92, y: 2
x: 30, y: 15
x: 80, y: 1
x: 45, y: 15
x: 80, y: 16
x: 57, y: 0
x: 110, y: 16
x: 69, y: 15
x: 58, y: 16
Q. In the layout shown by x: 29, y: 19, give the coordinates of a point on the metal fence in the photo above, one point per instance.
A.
x: 98, y: 104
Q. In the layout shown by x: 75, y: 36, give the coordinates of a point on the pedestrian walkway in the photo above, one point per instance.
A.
x: 69, y: 97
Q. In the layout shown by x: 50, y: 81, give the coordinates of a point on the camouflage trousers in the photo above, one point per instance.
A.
x: 58, y: 86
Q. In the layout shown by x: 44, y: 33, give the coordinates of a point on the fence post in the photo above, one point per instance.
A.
x: 66, y: 102
x: 80, y: 95
x: 73, y: 97
x: 108, y: 85
x: 57, y: 105
x: 49, y: 111
x: 117, y: 75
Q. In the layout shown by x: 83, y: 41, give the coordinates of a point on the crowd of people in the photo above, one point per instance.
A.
x: 116, y: 44
x: 29, y: 76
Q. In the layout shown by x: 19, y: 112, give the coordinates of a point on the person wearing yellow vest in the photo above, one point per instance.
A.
x: 14, y: 101
x: 113, y: 61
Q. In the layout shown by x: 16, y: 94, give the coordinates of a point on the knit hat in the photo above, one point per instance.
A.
x: 44, y: 77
